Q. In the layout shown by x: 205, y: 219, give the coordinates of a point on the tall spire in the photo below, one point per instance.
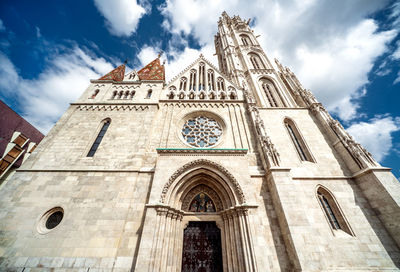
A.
x: 117, y: 74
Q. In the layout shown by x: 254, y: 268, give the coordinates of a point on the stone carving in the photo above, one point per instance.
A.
x: 200, y: 162
x: 273, y: 157
x: 359, y: 153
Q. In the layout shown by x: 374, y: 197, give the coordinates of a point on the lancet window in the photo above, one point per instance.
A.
x: 99, y: 138
x: 202, y: 76
x: 271, y: 93
x: 182, y: 84
x: 220, y: 84
x: 192, y: 80
x: 298, y: 142
x: 332, y: 211
x: 256, y: 61
x: 210, y: 80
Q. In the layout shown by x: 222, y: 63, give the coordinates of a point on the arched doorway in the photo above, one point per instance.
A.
x: 202, y: 250
x: 199, y: 194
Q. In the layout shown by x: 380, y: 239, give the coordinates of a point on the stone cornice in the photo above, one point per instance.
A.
x: 126, y: 82
x: 202, y: 151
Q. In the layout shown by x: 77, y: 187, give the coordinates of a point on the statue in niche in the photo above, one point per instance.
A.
x: 202, y: 203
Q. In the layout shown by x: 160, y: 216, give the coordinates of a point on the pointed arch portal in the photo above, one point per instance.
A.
x: 202, y: 213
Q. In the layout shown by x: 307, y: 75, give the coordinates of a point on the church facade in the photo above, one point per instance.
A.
x: 235, y: 168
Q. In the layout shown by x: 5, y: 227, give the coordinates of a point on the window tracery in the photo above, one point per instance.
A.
x: 271, y: 93
x: 256, y: 61
x: 245, y: 40
x: 201, y: 131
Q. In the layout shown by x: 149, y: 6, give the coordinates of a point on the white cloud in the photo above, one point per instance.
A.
x: 331, y: 47
x: 2, y: 27
x: 8, y: 75
x: 122, y: 16
x: 44, y: 99
x: 376, y: 135
x: 177, y: 61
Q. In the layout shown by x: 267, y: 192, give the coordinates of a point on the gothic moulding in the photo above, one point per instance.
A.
x: 112, y: 107
x: 203, y: 164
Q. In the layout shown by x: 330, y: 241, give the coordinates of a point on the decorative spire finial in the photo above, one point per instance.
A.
x: 160, y: 53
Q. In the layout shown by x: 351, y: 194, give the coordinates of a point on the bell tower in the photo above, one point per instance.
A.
x: 241, y: 58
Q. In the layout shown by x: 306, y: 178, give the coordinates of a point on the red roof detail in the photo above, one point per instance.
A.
x: 152, y: 71
x: 117, y: 74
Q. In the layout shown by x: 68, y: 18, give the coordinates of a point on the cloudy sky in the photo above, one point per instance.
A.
x: 346, y: 52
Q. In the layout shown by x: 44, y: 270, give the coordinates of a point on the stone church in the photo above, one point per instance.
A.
x: 229, y: 168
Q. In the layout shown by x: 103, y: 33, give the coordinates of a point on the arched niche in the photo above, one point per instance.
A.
x: 202, y: 172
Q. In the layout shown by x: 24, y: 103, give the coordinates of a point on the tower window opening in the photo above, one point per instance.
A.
x: 95, y: 93
x: 126, y: 95
x: 114, y: 94
x: 149, y: 92
x: 99, y: 138
x: 270, y: 96
x: 132, y: 94
x: 256, y: 61
x: 120, y: 94
x: 245, y: 40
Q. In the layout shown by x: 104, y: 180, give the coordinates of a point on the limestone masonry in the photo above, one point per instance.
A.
x: 236, y: 168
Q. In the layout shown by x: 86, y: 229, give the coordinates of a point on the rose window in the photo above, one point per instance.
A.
x: 201, y: 131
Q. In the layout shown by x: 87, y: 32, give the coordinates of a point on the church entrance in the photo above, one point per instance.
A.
x: 202, y: 247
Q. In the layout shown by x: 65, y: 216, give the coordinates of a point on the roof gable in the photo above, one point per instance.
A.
x: 152, y: 71
x: 117, y: 74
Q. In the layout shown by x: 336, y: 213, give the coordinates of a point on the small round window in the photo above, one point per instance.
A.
x: 201, y: 131
x: 50, y: 220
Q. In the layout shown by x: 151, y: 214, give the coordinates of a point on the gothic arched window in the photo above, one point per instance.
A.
x: 271, y: 93
x: 220, y: 84
x: 99, y: 138
x: 192, y: 80
x: 298, y: 142
x: 211, y: 82
x: 332, y: 211
x: 256, y: 61
x: 182, y: 84
x: 202, y: 76
x: 245, y: 39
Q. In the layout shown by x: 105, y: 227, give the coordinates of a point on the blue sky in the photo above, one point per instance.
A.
x: 346, y: 52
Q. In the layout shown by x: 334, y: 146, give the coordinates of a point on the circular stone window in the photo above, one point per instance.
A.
x: 50, y: 220
x: 201, y: 131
